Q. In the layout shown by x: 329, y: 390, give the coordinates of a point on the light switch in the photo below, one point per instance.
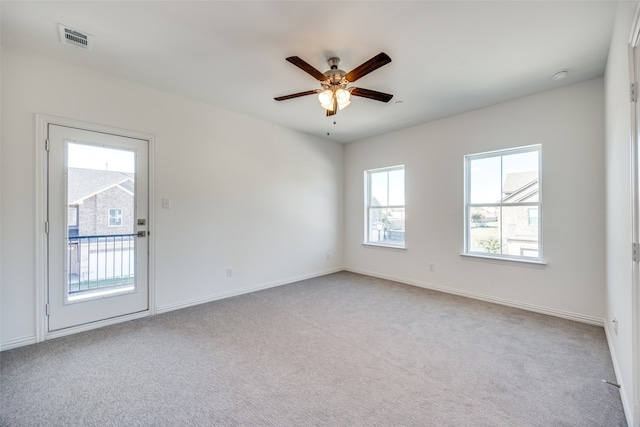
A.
x: 166, y: 203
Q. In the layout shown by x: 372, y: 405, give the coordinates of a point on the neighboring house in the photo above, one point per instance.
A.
x: 520, y: 224
x: 100, y: 202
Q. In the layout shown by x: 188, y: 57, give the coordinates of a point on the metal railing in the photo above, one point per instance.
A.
x: 100, y: 262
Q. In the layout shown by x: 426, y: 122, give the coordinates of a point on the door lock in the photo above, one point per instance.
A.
x: 142, y: 233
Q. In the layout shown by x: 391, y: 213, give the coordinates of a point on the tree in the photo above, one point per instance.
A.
x: 492, y: 245
x: 476, y: 218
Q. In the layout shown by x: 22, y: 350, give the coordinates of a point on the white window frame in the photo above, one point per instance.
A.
x: 116, y: 217
x: 467, y: 205
x: 367, y: 207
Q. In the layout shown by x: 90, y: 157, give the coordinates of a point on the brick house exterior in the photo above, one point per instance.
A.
x: 100, y: 202
x: 520, y: 223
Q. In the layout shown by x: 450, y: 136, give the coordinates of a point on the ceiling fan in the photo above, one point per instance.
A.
x: 336, y: 93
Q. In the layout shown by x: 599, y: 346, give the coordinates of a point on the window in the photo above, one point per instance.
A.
x: 503, y: 204
x: 72, y: 216
x: 533, y: 216
x: 72, y: 221
x: 384, y: 206
x: 115, y: 217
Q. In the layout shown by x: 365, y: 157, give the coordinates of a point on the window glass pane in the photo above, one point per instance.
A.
x: 484, y: 230
x: 379, y: 189
x: 520, y: 177
x: 484, y: 180
x: 396, y: 187
x: 377, y: 222
x: 386, y: 225
x: 395, y: 226
x: 115, y: 217
x: 519, y: 237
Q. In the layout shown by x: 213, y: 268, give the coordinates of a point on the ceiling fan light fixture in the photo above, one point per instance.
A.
x: 341, y: 105
x: 326, y: 97
x: 343, y: 96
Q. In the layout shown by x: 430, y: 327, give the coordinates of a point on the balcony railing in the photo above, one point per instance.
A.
x: 100, y: 263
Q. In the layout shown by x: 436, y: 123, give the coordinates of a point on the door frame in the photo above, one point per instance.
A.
x: 41, y: 255
x: 634, y: 78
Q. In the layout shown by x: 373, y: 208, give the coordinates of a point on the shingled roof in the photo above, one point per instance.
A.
x: 519, y: 186
x: 84, y: 183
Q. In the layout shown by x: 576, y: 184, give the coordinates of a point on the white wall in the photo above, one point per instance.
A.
x: 568, y: 122
x: 246, y: 194
x: 618, y: 202
x: 1, y: 238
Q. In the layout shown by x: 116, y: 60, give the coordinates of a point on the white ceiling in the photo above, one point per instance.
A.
x: 447, y: 56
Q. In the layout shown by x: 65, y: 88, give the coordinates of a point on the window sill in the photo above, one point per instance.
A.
x: 507, y: 260
x: 382, y: 245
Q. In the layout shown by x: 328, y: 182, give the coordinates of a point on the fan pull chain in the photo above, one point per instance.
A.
x: 328, y: 132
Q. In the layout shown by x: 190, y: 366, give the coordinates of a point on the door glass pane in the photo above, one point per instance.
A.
x: 101, y: 221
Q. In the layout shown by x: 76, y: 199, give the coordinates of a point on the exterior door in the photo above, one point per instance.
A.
x: 97, y: 209
x: 634, y: 59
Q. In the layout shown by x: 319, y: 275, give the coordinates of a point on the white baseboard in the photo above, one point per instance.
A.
x: 628, y: 408
x: 18, y: 342
x: 242, y: 291
x: 487, y: 298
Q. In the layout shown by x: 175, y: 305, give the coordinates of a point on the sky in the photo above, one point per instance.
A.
x: 100, y: 158
x: 488, y: 174
x: 388, y: 183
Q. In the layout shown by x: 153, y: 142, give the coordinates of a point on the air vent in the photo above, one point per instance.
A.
x: 75, y: 38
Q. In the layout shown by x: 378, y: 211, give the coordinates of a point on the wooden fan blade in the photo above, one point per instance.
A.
x: 371, y: 65
x: 371, y: 94
x: 307, y: 68
x: 296, y: 95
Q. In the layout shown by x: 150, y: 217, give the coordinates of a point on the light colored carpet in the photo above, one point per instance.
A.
x: 338, y: 350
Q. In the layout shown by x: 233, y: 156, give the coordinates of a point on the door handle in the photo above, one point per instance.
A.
x: 142, y: 233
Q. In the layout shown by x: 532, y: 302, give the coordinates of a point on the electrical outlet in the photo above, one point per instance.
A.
x: 229, y: 272
x: 328, y: 257
x: 432, y: 267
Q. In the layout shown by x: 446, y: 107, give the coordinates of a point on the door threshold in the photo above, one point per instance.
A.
x: 95, y: 325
